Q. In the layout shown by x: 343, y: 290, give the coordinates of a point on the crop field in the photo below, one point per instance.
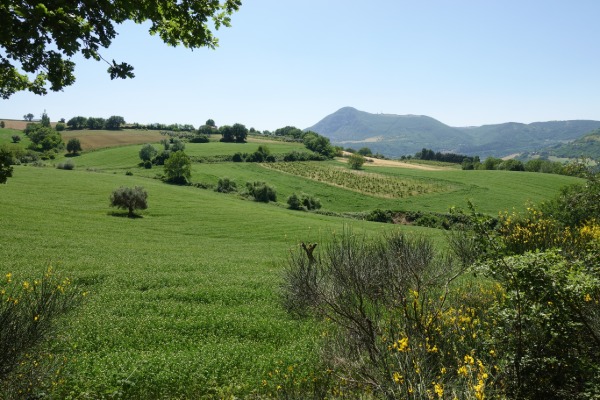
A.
x: 362, y: 182
x: 92, y: 140
x: 184, y: 301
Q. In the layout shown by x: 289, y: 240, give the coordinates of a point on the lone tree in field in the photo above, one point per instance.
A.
x: 74, y: 146
x: 38, y: 40
x: 129, y: 199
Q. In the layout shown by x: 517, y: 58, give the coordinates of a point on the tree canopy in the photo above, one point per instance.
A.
x: 39, y: 39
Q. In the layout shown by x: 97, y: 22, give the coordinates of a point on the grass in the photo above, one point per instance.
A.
x: 183, y: 302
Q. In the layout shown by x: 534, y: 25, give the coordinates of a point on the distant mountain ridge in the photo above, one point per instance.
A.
x: 396, y: 135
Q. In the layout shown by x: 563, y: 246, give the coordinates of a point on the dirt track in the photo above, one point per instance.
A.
x: 376, y: 162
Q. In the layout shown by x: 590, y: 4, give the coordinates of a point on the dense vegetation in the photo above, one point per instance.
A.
x: 186, y: 301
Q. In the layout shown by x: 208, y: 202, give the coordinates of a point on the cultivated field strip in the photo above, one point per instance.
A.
x: 368, y: 183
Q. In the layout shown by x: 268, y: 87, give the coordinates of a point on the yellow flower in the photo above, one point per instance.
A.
x: 587, y: 298
x: 439, y: 389
x: 469, y: 360
x: 463, y: 371
x: 401, y: 344
x: 26, y: 285
x: 398, y: 378
x: 9, y: 277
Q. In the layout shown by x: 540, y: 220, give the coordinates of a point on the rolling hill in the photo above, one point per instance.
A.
x: 585, y: 146
x: 396, y: 135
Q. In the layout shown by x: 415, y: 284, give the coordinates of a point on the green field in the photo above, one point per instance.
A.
x: 183, y: 303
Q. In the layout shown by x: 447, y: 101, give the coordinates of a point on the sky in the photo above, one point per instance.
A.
x: 293, y: 62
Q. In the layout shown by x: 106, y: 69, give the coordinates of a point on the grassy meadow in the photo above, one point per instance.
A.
x: 183, y: 302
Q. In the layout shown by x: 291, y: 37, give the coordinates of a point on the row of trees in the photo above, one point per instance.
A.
x: 112, y: 123
x: 575, y: 168
x: 428, y: 154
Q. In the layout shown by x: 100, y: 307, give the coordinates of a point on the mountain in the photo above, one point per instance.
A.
x: 396, y: 135
x: 586, y: 146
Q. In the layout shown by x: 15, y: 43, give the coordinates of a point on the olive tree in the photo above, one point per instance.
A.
x: 129, y: 199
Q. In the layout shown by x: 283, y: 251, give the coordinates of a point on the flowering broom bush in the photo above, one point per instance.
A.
x: 28, y: 313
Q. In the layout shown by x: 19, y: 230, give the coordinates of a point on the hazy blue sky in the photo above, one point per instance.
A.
x: 289, y: 62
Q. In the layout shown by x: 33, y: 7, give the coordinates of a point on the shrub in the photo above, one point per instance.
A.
x: 200, y: 139
x: 379, y: 216
x: 161, y: 157
x: 129, y: 199
x: 226, y: 185
x: 548, y: 325
x: 256, y: 157
x: 177, y: 145
x: 60, y: 126
x: 147, y: 152
x: 68, y: 165
x: 147, y: 164
x: 390, y: 329
x: 28, y: 312
x: 261, y: 191
x: 294, y: 202
x: 238, y: 157
x: 16, y: 138
x: 2, y: 124
x: 128, y: 173
x: 356, y: 161
x: 303, y: 202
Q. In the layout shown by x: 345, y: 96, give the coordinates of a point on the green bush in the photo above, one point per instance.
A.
x: 379, y: 215
x: 356, y: 161
x: 68, y: 165
x: 261, y: 191
x: 390, y: 329
x: 303, y: 202
x: 239, y: 157
x: 226, y: 185
x: 147, y: 152
x: 200, y: 139
x: 294, y: 202
x: 28, y: 313
x: 161, y: 157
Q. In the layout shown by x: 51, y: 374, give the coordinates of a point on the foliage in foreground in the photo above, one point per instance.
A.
x: 28, y: 313
x: 405, y: 321
x: 396, y: 329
